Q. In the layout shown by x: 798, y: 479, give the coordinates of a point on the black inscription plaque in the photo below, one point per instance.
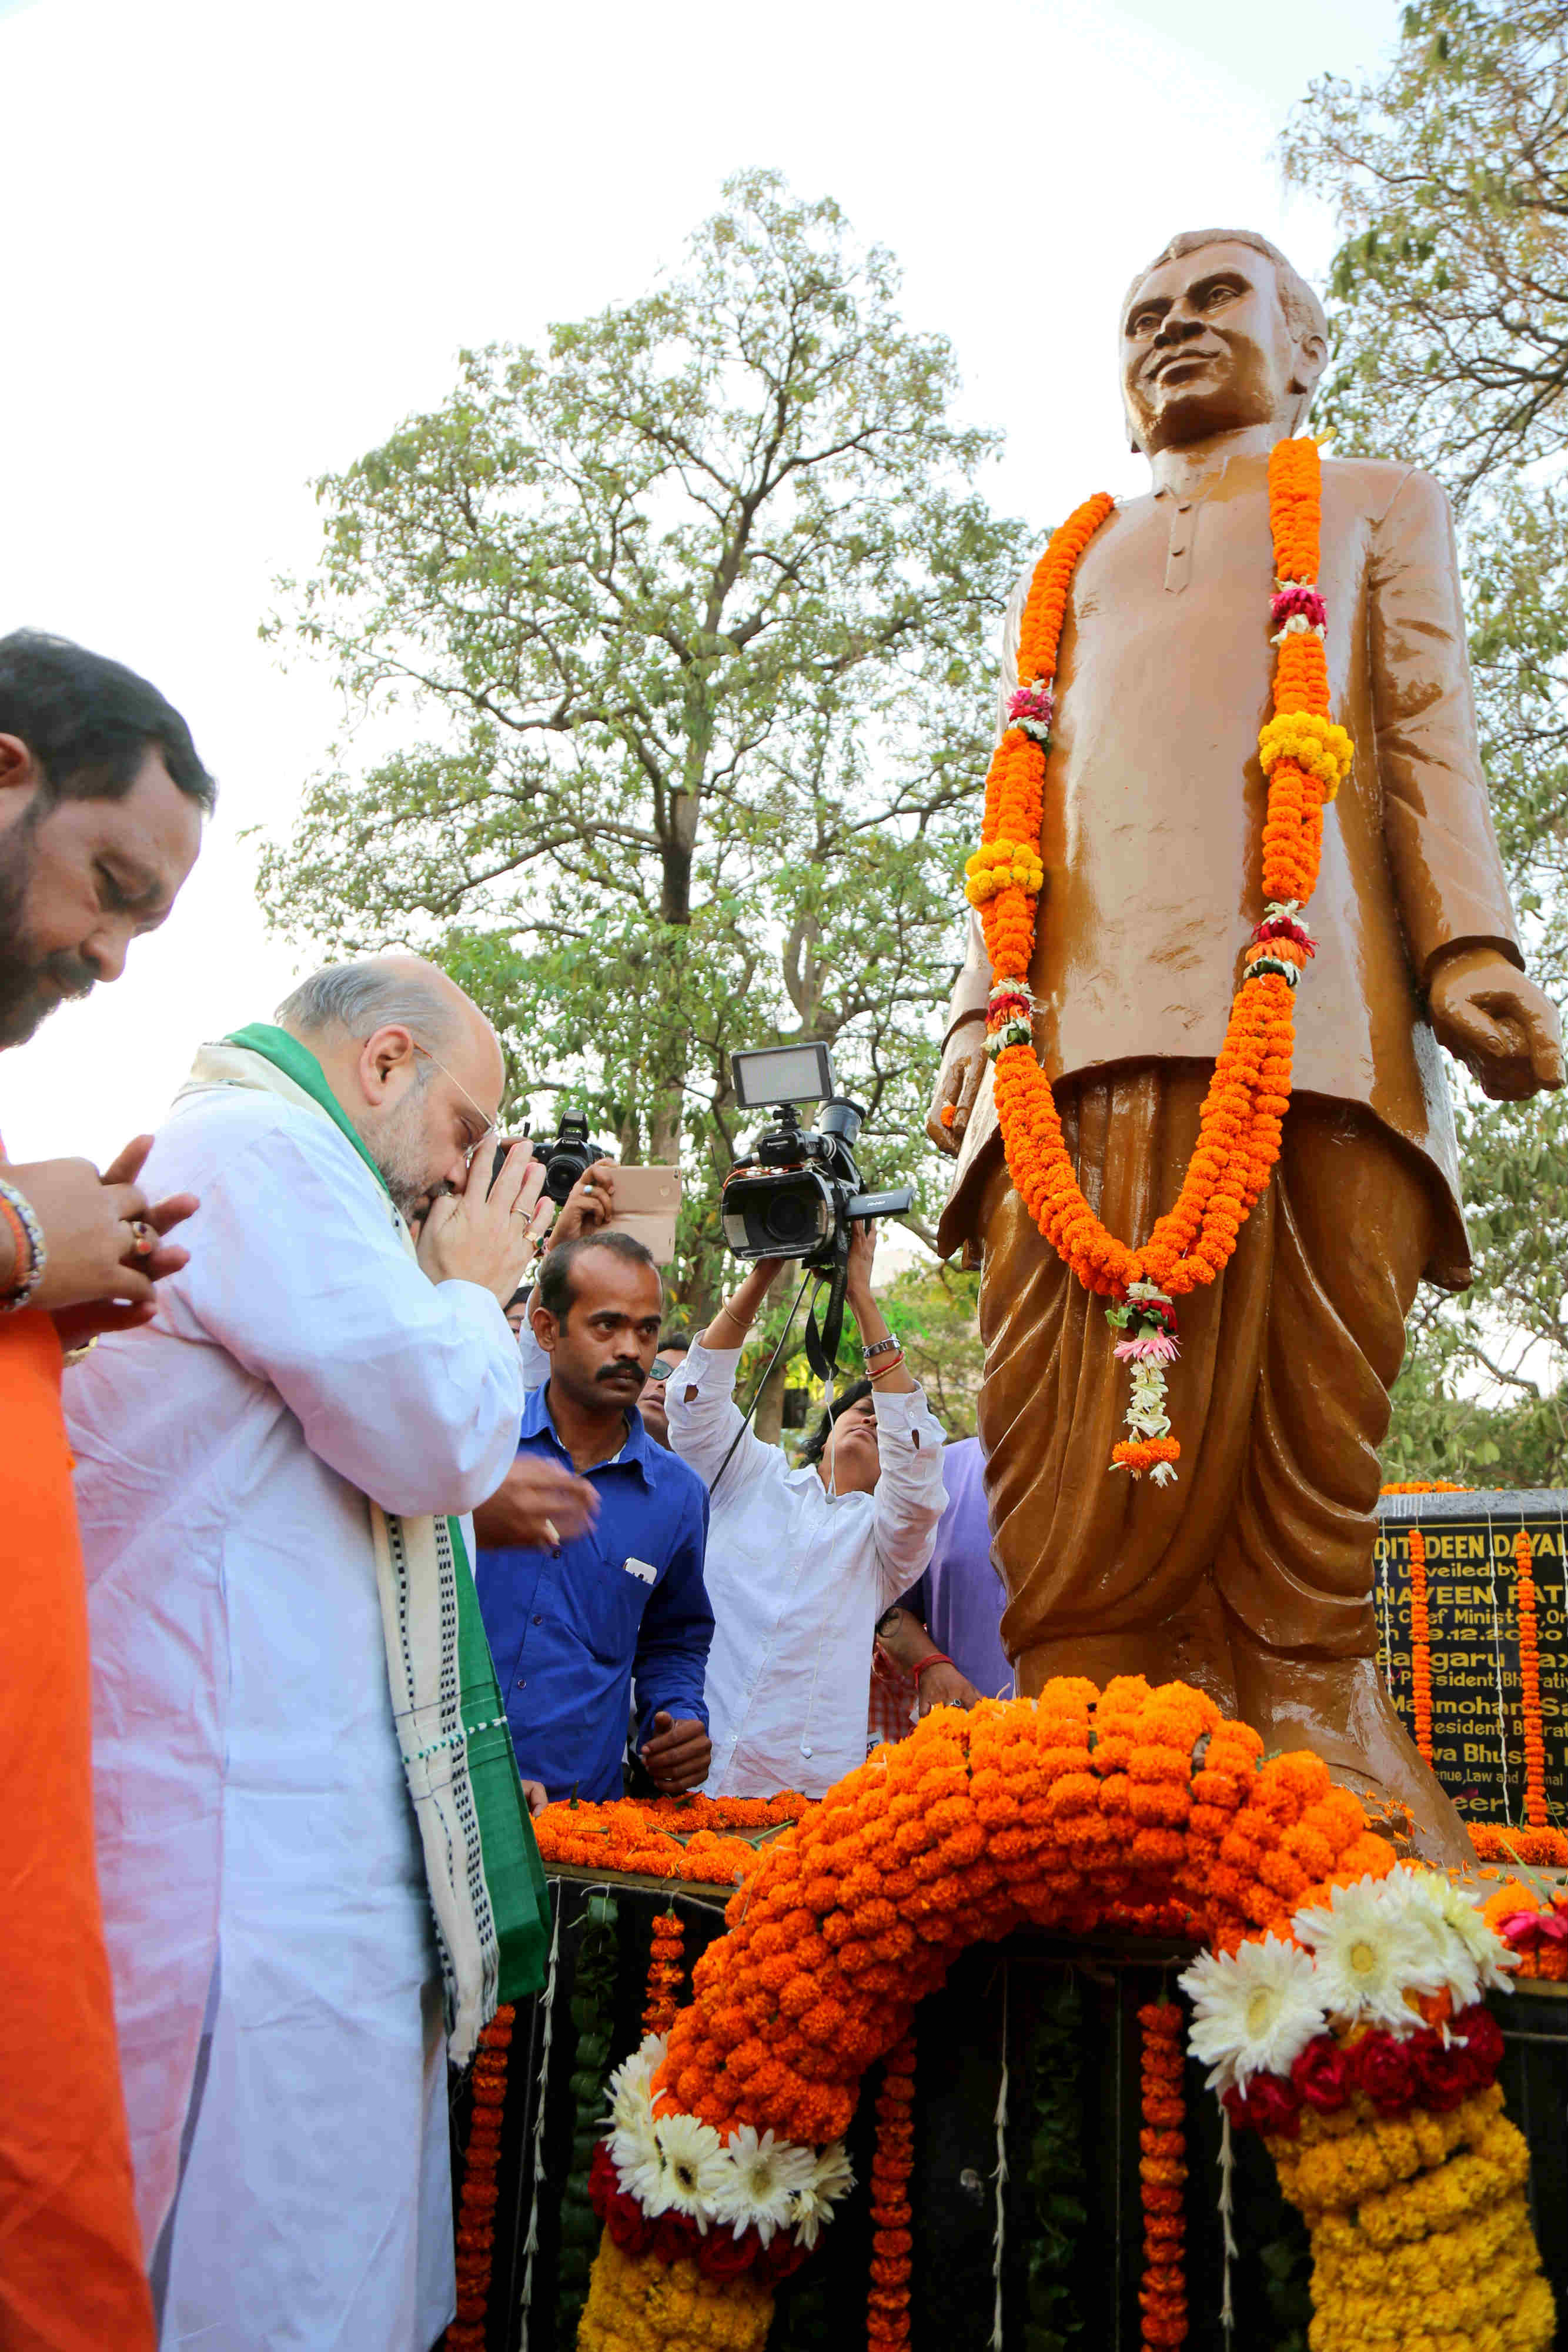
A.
x: 1477, y: 1727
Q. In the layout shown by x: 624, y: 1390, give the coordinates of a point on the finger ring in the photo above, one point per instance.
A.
x: 144, y: 1240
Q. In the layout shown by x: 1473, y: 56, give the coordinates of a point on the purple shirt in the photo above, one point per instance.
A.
x: 960, y: 1598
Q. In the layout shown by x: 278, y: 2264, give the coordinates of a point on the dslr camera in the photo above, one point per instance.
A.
x: 798, y: 1193
x: 567, y: 1155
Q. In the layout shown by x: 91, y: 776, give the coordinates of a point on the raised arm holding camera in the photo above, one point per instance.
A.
x: 801, y: 1563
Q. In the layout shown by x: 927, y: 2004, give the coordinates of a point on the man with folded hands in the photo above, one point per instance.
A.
x: 300, y: 1754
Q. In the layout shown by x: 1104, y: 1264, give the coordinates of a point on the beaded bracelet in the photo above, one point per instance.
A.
x: 32, y: 1256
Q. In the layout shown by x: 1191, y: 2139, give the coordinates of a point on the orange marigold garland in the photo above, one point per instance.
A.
x: 1530, y: 1685
x: 1162, y: 2171
x: 1304, y: 756
x: 479, y: 2195
x: 1420, y: 1644
x: 667, y: 1970
x: 1083, y: 1808
x: 887, y: 2304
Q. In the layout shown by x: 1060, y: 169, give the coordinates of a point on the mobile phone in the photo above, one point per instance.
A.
x: 646, y: 1203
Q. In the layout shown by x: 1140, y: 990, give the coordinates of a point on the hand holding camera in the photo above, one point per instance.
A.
x: 485, y: 1234
x: 798, y: 1193
x: 588, y: 1206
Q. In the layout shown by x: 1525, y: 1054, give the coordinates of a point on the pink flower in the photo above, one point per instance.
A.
x: 1285, y: 927
x: 1523, y: 1929
x: 1153, y: 1347
x: 1305, y: 600
x: 1036, y: 702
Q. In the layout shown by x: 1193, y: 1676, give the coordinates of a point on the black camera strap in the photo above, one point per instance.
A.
x: 823, y: 1345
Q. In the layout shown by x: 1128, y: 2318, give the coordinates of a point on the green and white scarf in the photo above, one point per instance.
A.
x: 481, y: 1863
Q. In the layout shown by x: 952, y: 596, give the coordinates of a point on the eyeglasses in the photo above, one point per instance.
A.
x: 487, y: 1121
x: 662, y: 1367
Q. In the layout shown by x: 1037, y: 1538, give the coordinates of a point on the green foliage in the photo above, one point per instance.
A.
x: 1482, y: 1399
x: 1055, y: 2169
x: 1285, y: 2255
x: 678, y: 631
x: 933, y: 1310
x: 1450, y: 288
x: 593, y: 2005
x: 1449, y: 316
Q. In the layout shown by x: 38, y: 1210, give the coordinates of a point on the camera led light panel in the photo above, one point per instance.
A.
x: 782, y: 1074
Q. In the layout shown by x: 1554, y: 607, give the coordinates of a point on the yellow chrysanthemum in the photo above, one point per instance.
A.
x: 1319, y: 747
x: 1001, y: 864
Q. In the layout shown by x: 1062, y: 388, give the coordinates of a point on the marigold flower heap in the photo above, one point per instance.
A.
x: 663, y: 1837
x: 1082, y: 1810
x: 1306, y: 756
x: 1132, y: 1808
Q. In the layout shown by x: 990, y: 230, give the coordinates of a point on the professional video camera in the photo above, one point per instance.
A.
x: 566, y: 1155
x: 798, y: 1193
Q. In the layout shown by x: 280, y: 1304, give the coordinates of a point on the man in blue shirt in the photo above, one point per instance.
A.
x: 616, y: 1586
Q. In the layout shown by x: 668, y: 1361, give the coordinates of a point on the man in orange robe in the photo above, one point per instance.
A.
x: 1251, y: 1575
x: 102, y: 798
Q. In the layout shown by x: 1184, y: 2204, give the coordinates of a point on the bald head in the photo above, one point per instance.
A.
x: 412, y: 1062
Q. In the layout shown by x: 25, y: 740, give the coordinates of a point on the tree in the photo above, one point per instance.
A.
x: 1449, y: 305
x: 682, y: 628
x: 934, y: 1312
x: 1451, y: 288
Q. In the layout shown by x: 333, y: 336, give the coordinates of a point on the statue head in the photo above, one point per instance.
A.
x: 1218, y: 333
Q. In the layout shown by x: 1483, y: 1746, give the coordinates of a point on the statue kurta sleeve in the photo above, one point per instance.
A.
x: 1442, y: 850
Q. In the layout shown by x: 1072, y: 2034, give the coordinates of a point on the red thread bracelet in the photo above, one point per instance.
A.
x: 938, y: 1658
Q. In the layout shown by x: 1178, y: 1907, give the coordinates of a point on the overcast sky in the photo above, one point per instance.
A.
x: 241, y: 244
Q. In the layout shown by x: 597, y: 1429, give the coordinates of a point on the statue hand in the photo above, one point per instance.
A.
x: 959, y: 1083
x: 1497, y: 1022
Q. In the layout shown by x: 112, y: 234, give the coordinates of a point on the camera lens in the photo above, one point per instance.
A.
x: 562, y: 1168
x: 792, y: 1217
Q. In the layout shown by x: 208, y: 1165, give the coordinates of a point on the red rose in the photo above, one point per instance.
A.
x: 603, y: 2181
x: 722, y: 2256
x: 1322, y: 2076
x: 1269, y: 2104
x: 1482, y: 2037
x: 1443, y: 2077
x: 672, y: 2237
x: 627, y: 2225
x: 1382, y: 2067
x: 780, y: 2258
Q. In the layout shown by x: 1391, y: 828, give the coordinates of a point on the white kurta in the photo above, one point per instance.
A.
x: 797, y: 1578
x: 260, y: 1863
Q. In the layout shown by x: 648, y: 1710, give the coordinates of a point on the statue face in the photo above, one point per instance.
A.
x: 1206, y: 349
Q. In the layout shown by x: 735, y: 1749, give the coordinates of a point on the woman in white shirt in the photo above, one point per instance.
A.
x: 802, y: 1563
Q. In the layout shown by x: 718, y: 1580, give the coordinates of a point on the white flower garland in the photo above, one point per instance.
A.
x: 1355, y: 1958
x: 749, y: 2180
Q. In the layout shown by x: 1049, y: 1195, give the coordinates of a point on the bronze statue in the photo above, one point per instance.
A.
x: 1250, y: 1575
